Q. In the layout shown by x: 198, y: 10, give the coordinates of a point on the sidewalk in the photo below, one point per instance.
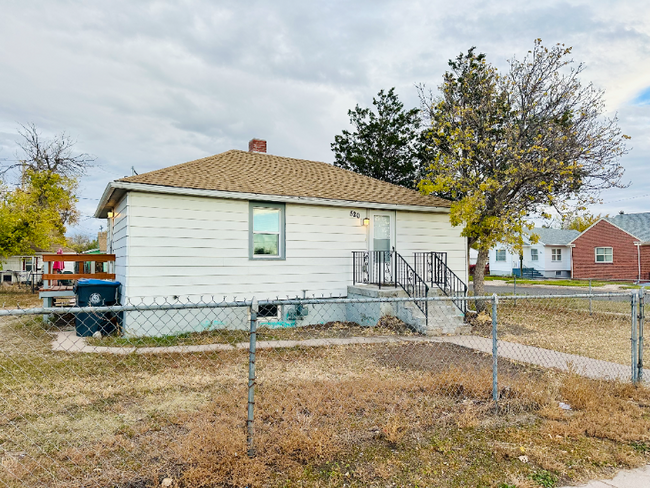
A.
x: 591, y: 368
x: 635, y: 478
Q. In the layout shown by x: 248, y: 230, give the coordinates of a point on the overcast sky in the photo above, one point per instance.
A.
x: 149, y: 84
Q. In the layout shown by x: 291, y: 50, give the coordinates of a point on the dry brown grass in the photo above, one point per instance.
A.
x: 386, y: 326
x: 13, y: 296
x: 402, y: 414
x: 565, y: 325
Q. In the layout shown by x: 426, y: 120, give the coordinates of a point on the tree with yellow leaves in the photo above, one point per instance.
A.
x: 505, y: 147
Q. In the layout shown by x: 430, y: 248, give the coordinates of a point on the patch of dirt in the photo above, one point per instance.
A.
x: 438, y: 357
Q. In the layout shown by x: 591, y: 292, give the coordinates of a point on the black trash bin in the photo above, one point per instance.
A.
x: 97, y: 293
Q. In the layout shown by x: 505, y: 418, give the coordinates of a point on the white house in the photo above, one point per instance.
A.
x: 550, y: 257
x: 24, y: 268
x: 249, y: 224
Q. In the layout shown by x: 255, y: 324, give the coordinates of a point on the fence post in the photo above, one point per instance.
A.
x: 634, y: 336
x: 515, y: 290
x: 590, y: 306
x: 641, y: 310
x: 251, y: 377
x: 495, y: 388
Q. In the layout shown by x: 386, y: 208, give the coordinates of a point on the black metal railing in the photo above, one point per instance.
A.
x: 413, y: 284
x: 389, y: 268
x: 432, y: 266
x: 373, y: 268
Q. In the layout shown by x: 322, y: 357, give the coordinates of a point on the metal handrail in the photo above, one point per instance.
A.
x: 433, y: 267
x: 413, y: 284
x: 389, y: 268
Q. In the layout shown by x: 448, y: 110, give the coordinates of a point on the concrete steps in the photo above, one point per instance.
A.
x: 444, y: 318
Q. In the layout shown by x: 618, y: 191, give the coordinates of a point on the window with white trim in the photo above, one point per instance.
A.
x: 534, y: 255
x: 266, y: 231
x: 500, y: 254
x: 556, y: 254
x: 604, y: 255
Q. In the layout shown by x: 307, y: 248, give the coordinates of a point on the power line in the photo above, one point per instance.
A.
x: 628, y: 198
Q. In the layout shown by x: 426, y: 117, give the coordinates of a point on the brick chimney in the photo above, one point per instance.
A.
x: 257, y: 145
x: 101, y: 241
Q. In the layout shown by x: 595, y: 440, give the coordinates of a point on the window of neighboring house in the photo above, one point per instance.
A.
x: 604, y: 255
x: 500, y: 255
x: 28, y: 264
x: 558, y: 273
x: 266, y: 236
x: 556, y: 254
x: 534, y: 256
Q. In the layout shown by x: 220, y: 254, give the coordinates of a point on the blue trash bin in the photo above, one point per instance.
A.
x: 97, y: 293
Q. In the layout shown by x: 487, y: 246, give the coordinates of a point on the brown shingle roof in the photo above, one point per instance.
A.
x: 264, y: 174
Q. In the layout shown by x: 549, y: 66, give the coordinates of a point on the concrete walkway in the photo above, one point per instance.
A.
x: 634, y: 478
x: 67, y: 341
x: 548, y: 358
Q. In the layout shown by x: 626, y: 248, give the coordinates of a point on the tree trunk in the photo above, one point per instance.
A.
x: 479, y: 278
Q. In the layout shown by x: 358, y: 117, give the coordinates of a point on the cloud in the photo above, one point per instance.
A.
x: 149, y: 84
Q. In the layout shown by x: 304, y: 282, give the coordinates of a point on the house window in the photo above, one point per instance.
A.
x: 556, y: 254
x: 266, y: 231
x: 534, y: 255
x: 28, y: 264
x: 501, y: 255
x: 604, y: 255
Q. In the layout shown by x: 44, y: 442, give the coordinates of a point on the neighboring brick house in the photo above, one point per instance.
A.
x: 614, y: 248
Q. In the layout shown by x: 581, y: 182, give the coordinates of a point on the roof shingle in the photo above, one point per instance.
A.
x: 265, y: 174
x: 555, y: 237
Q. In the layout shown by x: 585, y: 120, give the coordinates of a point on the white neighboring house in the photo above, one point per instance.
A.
x: 248, y: 224
x: 550, y: 257
x: 21, y: 268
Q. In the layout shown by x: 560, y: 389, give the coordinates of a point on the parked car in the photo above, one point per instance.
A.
x: 472, y: 267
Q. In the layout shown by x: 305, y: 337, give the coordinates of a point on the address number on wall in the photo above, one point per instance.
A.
x: 355, y: 214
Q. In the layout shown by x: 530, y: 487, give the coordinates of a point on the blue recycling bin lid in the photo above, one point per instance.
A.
x: 92, y: 282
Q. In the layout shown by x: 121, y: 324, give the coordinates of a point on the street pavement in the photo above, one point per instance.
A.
x: 509, y: 289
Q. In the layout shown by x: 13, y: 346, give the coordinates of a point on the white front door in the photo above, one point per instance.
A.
x: 382, y: 231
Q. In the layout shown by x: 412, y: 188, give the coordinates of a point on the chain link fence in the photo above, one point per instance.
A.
x: 209, y: 393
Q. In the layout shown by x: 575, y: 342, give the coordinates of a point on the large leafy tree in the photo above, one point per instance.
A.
x: 513, y: 145
x: 387, y: 143
x: 36, y: 209
x: 31, y: 215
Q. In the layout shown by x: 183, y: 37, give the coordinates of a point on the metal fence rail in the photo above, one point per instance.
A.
x: 161, y: 385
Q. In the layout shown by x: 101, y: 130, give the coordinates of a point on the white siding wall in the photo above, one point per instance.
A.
x: 13, y: 263
x: 544, y: 264
x: 564, y: 265
x: 199, y: 246
x: 419, y: 231
x: 118, y: 241
x: 192, y: 246
x: 503, y: 268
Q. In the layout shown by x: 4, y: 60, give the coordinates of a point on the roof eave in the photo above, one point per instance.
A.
x: 114, y: 191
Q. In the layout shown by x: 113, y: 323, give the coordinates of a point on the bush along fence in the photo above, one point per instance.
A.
x: 109, y: 395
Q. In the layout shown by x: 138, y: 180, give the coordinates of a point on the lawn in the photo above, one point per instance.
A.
x: 554, y: 282
x: 387, y: 326
x: 18, y: 297
x: 400, y: 414
x: 565, y: 325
